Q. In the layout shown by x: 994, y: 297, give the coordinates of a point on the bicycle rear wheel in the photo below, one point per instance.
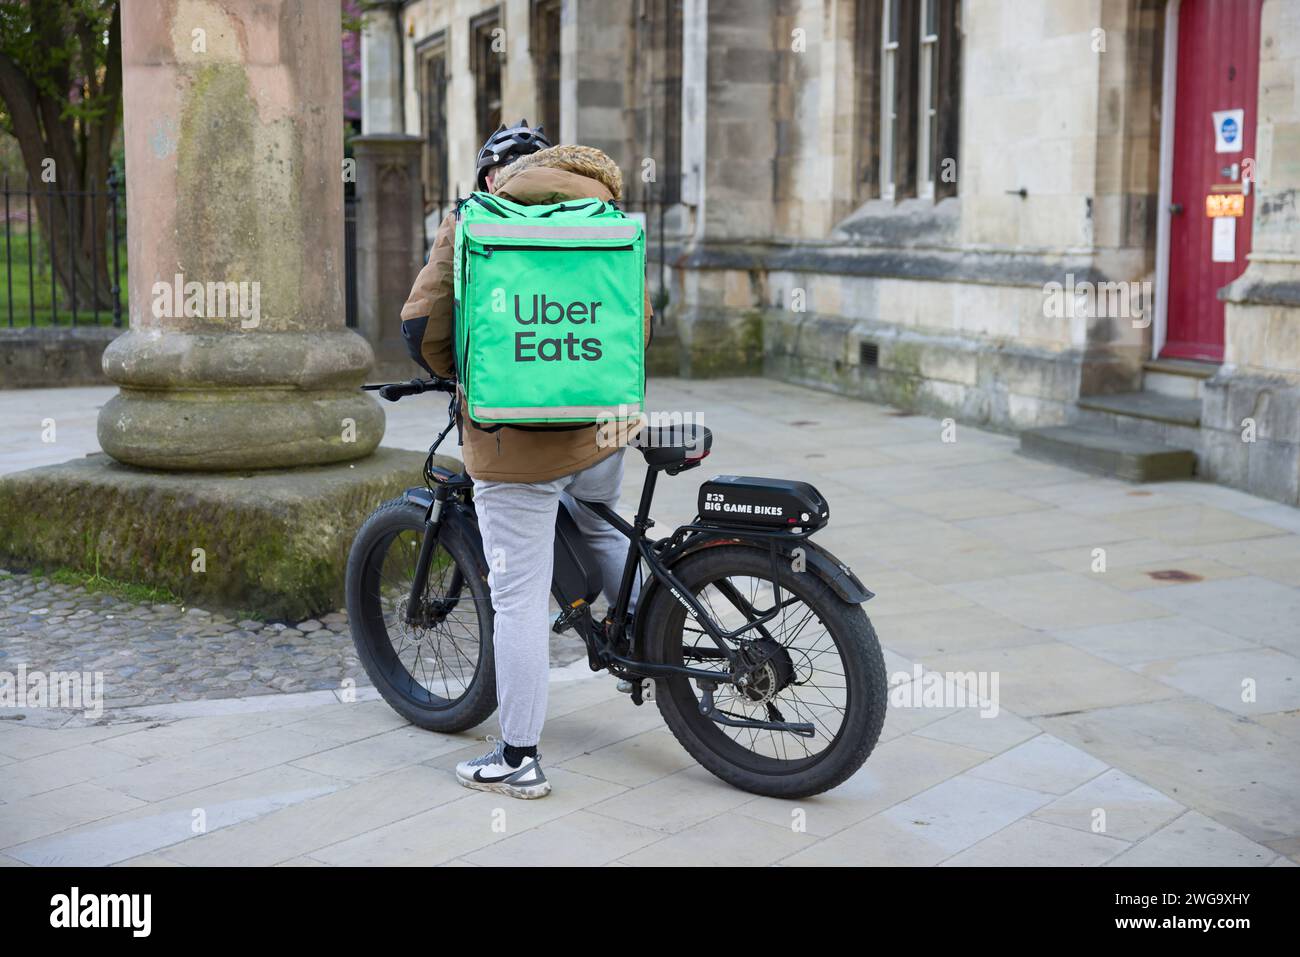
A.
x: 822, y: 666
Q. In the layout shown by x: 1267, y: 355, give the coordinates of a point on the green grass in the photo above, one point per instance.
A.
x: 32, y: 292
x: 96, y: 583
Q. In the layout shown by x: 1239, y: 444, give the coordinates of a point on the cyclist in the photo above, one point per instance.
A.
x: 521, y: 473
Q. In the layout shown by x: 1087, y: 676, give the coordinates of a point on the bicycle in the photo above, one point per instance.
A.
x: 717, y: 639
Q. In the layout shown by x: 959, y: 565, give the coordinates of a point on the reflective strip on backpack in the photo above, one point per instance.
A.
x: 485, y: 413
x: 530, y: 231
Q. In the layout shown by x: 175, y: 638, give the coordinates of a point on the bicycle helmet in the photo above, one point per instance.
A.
x: 509, y: 143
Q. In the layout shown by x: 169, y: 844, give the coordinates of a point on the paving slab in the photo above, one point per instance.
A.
x: 964, y: 810
x: 1053, y: 677
x: 298, y: 829
x: 1114, y: 804
x: 897, y: 770
x: 150, y: 827
x: 1258, y: 681
x: 465, y: 825
x: 1250, y: 607
x: 728, y: 840
x: 1034, y: 843
x: 1154, y: 639
x: 1043, y: 763
x: 1243, y: 775
x: 1193, y: 840
x: 580, y: 839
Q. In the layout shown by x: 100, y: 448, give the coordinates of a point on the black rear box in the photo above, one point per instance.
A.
x: 766, y: 502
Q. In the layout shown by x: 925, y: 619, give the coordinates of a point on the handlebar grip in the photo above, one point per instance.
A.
x: 393, y: 391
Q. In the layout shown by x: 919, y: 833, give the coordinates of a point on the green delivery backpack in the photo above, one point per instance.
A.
x: 550, y: 311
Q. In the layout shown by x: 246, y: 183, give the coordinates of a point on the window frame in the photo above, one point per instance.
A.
x: 545, y: 50
x: 480, y: 53
x: 888, y: 100
x: 908, y: 97
x: 434, y: 162
x: 927, y: 99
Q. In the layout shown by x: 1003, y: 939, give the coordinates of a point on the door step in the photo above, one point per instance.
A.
x: 1181, y: 378
x: 1128, y: 457
x: 1152, y: 406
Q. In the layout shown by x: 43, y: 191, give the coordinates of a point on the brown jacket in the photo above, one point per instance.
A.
x: 518, y: 455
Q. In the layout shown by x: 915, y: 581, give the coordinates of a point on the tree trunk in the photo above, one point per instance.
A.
x: 73, y: 210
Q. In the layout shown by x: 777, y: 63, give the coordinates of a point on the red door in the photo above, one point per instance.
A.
x: 1218, y: 75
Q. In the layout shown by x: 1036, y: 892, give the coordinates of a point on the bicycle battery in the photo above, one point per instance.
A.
x: 766, y: 502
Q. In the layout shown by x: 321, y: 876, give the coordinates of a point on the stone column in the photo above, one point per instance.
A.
x: 381, y: 69
x: 389, y: 243
x: 237, y: 356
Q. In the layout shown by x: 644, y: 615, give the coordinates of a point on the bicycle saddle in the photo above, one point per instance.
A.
x: 673, y: 447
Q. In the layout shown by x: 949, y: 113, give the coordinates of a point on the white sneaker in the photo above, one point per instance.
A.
x: 492, y: 772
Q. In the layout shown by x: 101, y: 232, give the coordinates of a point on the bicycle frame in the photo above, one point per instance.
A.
x: 640, y: 548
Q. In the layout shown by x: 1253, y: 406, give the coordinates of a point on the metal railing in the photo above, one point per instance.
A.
x: 57, y: 273
x: 350, y: 260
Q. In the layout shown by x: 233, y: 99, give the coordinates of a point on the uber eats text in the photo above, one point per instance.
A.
x: 532, y: 345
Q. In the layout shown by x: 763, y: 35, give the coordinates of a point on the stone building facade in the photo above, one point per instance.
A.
x: 999, y: 211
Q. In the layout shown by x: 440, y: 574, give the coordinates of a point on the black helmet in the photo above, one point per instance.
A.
x: 509, y: 143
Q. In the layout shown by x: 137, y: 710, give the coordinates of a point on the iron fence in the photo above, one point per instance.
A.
x: 63, y: 257
x: 350, y: 259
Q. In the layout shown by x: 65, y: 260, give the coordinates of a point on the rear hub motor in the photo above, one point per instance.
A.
x: 770, y: 670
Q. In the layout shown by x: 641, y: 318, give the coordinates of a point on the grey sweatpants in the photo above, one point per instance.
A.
x: 517, y: 521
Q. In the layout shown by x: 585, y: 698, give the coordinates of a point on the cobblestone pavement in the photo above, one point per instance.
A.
x: 152, y: 654
x: 157, y: 654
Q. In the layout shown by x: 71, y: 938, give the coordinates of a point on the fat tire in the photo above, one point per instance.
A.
x: 480, y: 699
x: 855, y: 638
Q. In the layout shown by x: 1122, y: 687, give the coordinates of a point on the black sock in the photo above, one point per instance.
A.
x: 516, y: 755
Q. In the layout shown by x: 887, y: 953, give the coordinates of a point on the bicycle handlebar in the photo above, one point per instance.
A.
x: 392, y: 391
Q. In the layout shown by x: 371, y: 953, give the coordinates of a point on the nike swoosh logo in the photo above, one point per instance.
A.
x: 478, y: 776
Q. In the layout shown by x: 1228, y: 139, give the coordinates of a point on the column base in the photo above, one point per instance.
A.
x: 210, y: 402
x: 216, y: 431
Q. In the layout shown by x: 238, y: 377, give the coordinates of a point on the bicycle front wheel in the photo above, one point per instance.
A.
x: 433, y: 664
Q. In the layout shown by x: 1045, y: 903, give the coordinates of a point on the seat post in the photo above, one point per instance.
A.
x: 641, y: 523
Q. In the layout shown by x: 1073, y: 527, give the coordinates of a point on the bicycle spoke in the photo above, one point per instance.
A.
x: 812, y: 655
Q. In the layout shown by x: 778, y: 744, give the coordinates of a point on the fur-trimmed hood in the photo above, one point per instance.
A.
x: 582, y: 160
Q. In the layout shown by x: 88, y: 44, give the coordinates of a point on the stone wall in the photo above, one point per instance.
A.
x: 1252, y: 408
x: 949, y: 293
x: 44, y: 358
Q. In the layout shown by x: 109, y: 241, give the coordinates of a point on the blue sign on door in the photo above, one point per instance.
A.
x: 1228, y: 130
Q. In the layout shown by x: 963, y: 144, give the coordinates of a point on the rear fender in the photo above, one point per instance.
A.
x: 814, y: 559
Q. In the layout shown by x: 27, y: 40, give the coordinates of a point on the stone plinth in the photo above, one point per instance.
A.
x: 274, y: 542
